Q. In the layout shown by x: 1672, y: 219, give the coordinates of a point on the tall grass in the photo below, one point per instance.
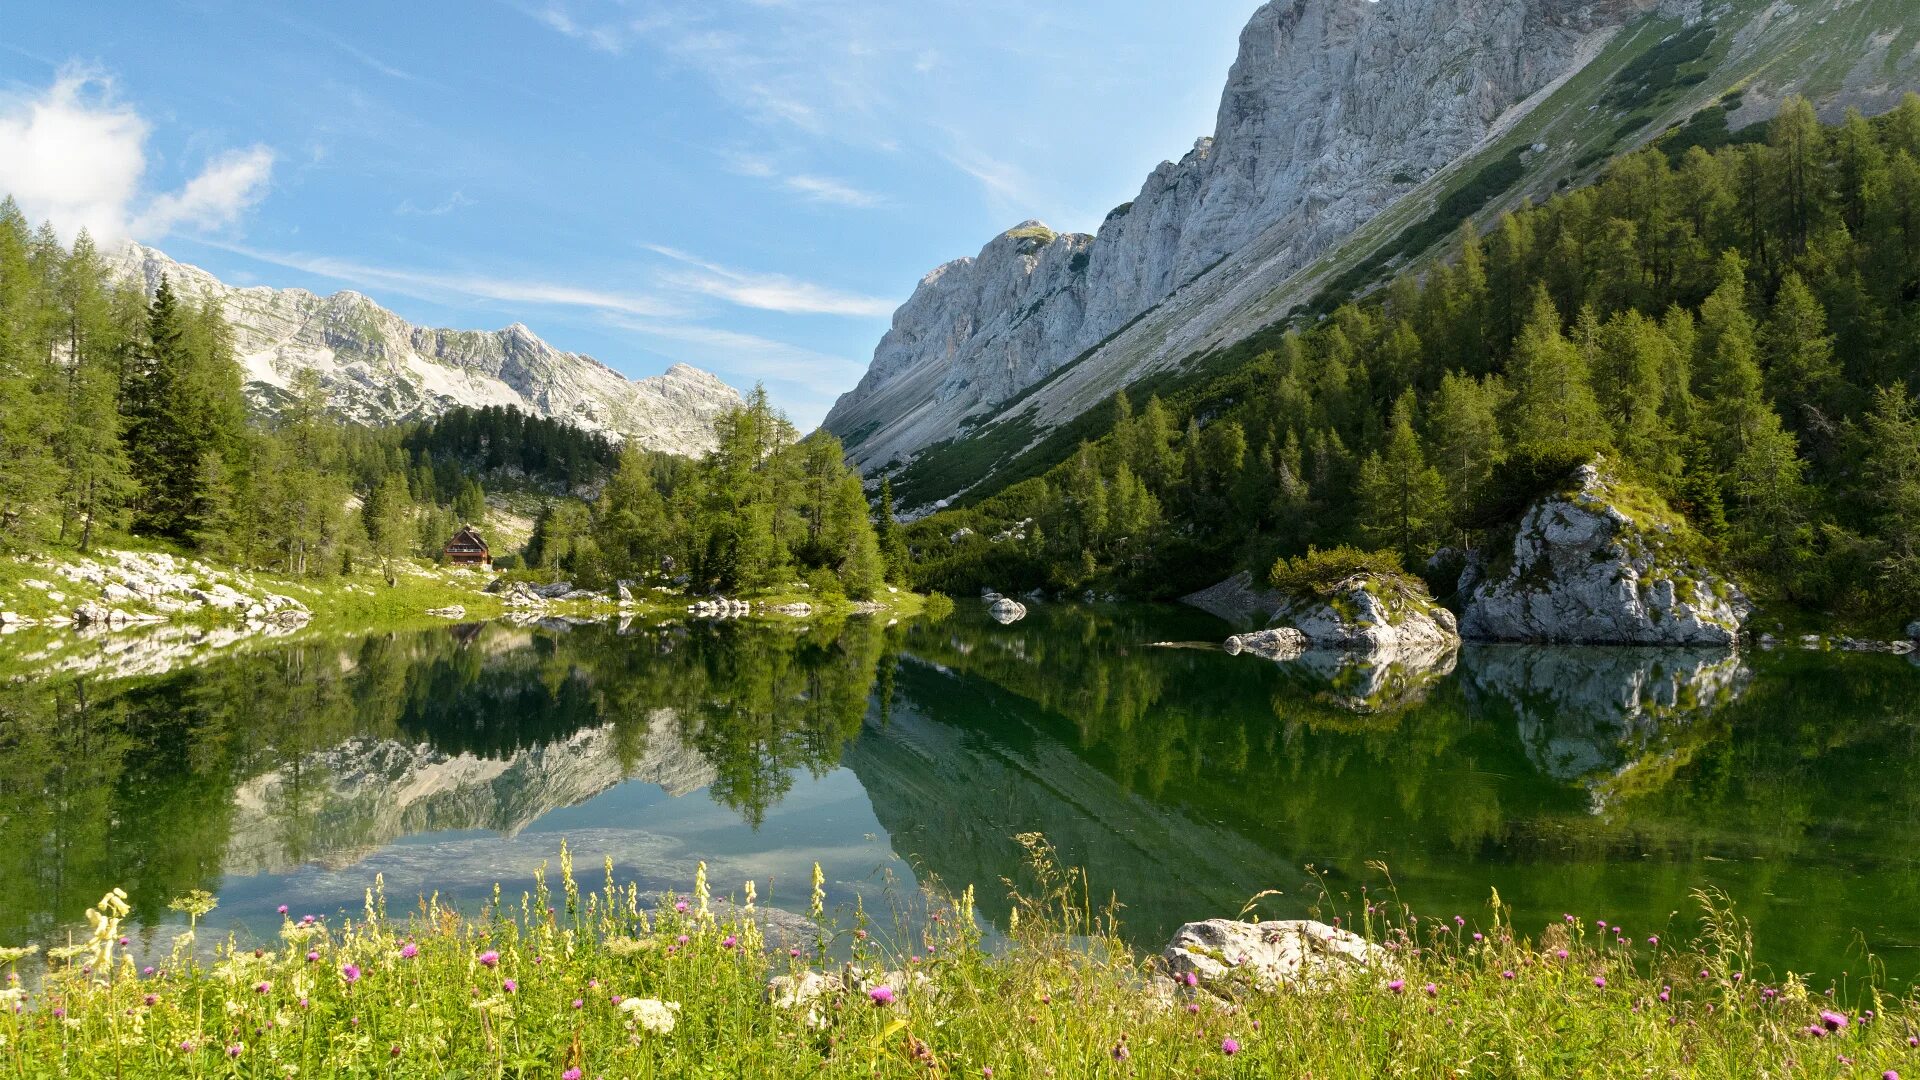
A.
x: 599, y: 983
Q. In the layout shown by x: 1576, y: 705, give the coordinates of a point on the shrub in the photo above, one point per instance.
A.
x: 1317, y: 572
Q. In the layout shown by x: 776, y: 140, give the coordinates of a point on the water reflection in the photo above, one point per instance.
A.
x: 1606, y: 781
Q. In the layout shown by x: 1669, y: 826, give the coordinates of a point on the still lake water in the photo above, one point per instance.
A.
x: 1604, y: 782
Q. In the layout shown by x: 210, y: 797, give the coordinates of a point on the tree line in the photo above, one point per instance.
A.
x: 1737, y: 332
x: 763, y: 508
x: 125, y: 414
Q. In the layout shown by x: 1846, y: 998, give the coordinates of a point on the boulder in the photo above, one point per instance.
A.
x: 555, y: 590
x: 623, y: 592
x: 1005, y: 611
x: 1269, y: 955
x: 451, y: 611
x: 92, y: 613
x: 1279, y: 643
x: 1369, y: 612
x: 1585, y: 570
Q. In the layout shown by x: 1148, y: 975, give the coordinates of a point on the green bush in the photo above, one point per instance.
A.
x: 1317, y: 572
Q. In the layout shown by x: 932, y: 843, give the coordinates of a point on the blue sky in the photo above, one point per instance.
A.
x: 749, y: 186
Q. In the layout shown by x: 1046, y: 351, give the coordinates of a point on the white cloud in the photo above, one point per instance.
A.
x: 229, y: 185
x: 442, y: 287
x: 76, y: 157
x: 768, y: 292
x: 448, y: 205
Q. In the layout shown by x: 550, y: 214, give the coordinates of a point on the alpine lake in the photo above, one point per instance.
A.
x: 1605, y: 783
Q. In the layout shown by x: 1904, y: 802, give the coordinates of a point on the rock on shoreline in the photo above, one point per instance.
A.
x: 1586, y: 571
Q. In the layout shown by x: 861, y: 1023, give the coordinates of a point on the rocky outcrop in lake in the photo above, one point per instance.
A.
x: 1369, y: 613
x: 1599, y: 563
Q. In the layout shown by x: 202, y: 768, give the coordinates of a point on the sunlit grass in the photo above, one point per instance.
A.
x: 577, y: 984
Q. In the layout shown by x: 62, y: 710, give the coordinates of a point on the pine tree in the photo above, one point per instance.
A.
x: 96, y: 481
x: 1402, y: 499
x: 1464, y: 442
x: 388, y: 513
x: 1892, y: 488
x: 1553, y: 401
x: 1801, y: 372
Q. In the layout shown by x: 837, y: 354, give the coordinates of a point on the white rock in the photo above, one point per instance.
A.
x: 1278, y: 643
x: 1270, y: 954
x: 1584, y: 571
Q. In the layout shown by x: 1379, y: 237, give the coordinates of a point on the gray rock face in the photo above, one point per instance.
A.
x: 1585, y: 571
x: 1913, y: 629
x: 1370, y: 614
x: 380, y: 369
x: 1269, y: 954
x: 1332, y: 110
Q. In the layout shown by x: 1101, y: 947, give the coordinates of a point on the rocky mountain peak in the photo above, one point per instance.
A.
x: 380, y: 369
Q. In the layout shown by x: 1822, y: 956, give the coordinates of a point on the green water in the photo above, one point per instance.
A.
x: 1603, y: 782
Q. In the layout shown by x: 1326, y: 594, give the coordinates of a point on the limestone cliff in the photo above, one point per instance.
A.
x: 1344, y: 124
x: 379, y: 369
x: 1333, y: 109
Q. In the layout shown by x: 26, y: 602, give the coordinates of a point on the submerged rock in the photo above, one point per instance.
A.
x: 1278, y: 643
x: 1268, y: 954
x: 1586, y: 571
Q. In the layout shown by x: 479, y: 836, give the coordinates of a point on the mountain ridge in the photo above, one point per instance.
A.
x: 1344, y: 128
x: 378, y: 368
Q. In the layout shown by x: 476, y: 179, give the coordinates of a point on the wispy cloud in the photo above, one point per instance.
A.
x: 826, y: 189
x: 365, y: 58
x: 767, y: 292
x: 77, y: 157
x: 1001, y: 180
x: 444, y: 286
x: 809, y: 186
x: 753, y: 356
x: 448, y: 205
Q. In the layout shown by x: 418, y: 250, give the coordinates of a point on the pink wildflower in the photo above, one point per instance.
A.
x: 489, y: 958
x: 881, y: 995
x: 1229, y: 1047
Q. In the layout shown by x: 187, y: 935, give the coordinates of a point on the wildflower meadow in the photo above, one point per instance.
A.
x: 571, y: 984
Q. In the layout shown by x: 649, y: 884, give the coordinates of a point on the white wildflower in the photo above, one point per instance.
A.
x: 653, y: 1014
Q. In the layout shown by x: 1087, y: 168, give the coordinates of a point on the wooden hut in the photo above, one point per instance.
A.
x: 466, y: 548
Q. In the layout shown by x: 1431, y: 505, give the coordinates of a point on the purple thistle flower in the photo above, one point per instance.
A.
x: 881, y: 995
x: 1431, y: 990
x: 729, y: 942
x: 1834, y: 1021
x: 1120, y: 1052
x: 577, y: 1003
x: 1600, y: 981
x: 680, y: 906
x: 1889, y: 1075
x: 263, y: 988
x: 1190, y: 979
x: 1561, y: 953
x: 282, y: 909
x: 409, y: 951
x: 148, y: 970
x: 313, y: 957
x: 233, y: 1051
x: 571, y: 1074
x: 1229, y: 1047
x: 186, y: 1046
x: 1654, y: 940
x: 152, y: 1000
x: 1398, y: 986
x: 489, y: 958
x: 1506, y: 974
x: 509, y: 986
x: 351, y: 973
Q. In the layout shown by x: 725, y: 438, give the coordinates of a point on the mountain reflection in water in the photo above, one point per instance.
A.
x: 1607, y: 782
